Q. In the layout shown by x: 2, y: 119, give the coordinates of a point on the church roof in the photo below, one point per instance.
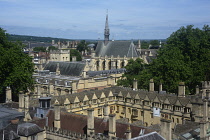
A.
x: 116, y: 48
x: 66, y: 68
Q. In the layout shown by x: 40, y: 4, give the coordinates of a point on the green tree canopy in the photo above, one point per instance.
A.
x: 16, y: 67
x: 39, y: 49
x: 74, y: 52
x: 134, y: 69
x: 154, y: 42
x: 185, y: 58
x: 82, y: 46
x: 52, y: 48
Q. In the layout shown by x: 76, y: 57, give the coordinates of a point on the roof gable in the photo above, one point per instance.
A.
x: 66, y: 101
x: 76, y: 100
x: 85, y: 98
x: 94, y: 96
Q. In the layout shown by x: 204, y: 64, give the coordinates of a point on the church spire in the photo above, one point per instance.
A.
x: 106, y: 30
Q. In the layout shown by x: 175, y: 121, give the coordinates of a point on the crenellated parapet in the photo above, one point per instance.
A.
x: 53, y: 132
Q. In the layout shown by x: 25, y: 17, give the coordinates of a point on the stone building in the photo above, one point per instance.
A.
x: 173, y: 116
x: 63, y: 78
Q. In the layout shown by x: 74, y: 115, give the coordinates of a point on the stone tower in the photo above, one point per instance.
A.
x: 106, y: 30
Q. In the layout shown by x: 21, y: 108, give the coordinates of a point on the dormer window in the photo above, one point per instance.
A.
x: 136, y: 101
x: 85, y: 103
x: 128, y: 100
x: 67, y: 83
x: 94, y: 101
x: 110, y: 98
x: 102, y: 99
x: 56, y: 82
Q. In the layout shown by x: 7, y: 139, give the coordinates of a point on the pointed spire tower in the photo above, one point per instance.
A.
x: 106, y: 30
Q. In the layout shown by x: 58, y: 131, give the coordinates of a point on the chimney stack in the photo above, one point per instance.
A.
x: 203, y: 130
x: 21, y: 102
x: 181, y: 89
x: 128, y: 133
x: 160, y: 87
x: 197, y: 90
x: 151, y: 85
x: 135, y: 84
x: 112, y: 125
x: 106, y: 111
x: 93, y: 53
x: 8, y: 95
x: 57, y: 111
x: 90, y: 121
x: 58, y: 69
x: 26, y: 107
x: 74, y: 58
x: 165, y: 129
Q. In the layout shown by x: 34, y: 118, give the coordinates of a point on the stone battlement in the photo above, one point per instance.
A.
x: 53, y: 132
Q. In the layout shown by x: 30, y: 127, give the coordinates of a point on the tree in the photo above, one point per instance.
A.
x: 74, y: 52
x: 16, y: 67
x: 186, y: 58
x: 39, y: 49
x: 82, y: 46
x: 134, y: 69
x: 154, y: 42
x: 52, y: 48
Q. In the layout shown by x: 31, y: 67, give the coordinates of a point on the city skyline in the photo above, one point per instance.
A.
x: 83, y: 19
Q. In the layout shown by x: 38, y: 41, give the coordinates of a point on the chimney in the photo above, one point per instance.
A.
x: 93, y: 53
x: 8, y: 95
x: 203, y: 130
x: 58, y: 69
x: 26, y: 107
x: 181, y: 89
x: 128, y: 133
x: 106, y: 111
x: 204, y: 87
x: 139, y: 45
x: 151, y: 85
x: 21, y: 102
x: 109, y: 81
x: 160, y: 87
x: 57, y: 112
x: 197, y: 90
x: 135, y: 84
x: 68, y: 43
x: 84, y: 74
x: 90, y: 121
x: 165, y: 129
x: 74, y: 58
x: 205, y: 107
x: 53, y: 42
x: 112, y: 125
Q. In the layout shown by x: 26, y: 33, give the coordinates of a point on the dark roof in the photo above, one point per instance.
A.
x: 28, y: 129
x: 150, y: 136
x: 116, y: 48
x: 66, y: 68
x: 79, y: 124
x: 105, y: 72
x: 9, y: 114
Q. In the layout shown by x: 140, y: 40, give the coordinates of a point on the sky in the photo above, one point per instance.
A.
x: 85, y: 19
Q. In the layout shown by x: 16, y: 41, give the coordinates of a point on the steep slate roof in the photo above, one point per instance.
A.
x: 78, y: 123
x: 115, y: 48
x: 66, y: 68
x: 28, y: 129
